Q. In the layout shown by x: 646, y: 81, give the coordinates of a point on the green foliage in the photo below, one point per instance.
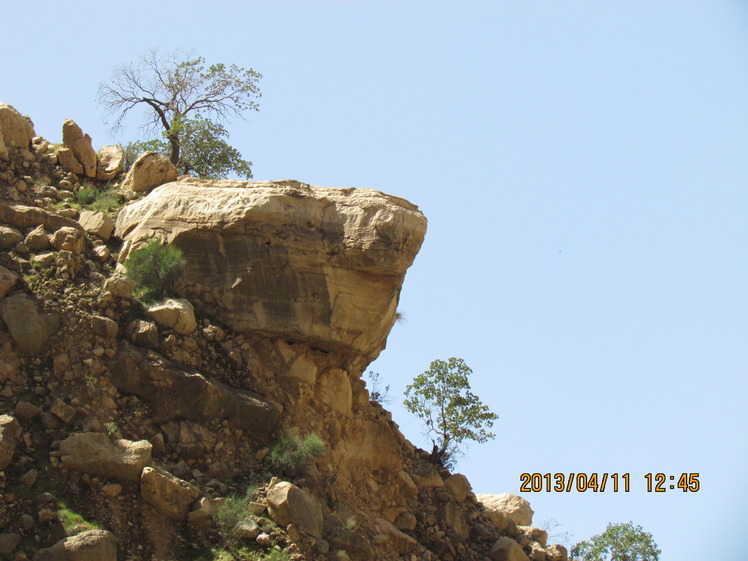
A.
x: 73, y: 521
x: 186, y: 101
x: 87, y: 194
x: 292, y: 452
x: 203, y: 151
x: 441, y: 397
x: 233, y: 510
x: 376, y: 393
x: 619, y: 542
x: 155, y: 269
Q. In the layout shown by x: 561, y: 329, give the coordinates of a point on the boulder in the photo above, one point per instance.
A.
x: 111, y: 162
x: 104, y: 326
x: 68, y: 161
x: 287, y: 504
x: 513, y: 507
x: 320, y: 265
x: 506, y: 549
x: 143, y: 333
x: 16, y: 131
x: 37, y: 239
x: 80, y: 144
x: 9, y: 237
x: 556, y: 552
x: 10, y: 432
x: 29, y: 328
x: 91, y: 545
x: 533, y: 534
x: 120, y: 286
x: 400, y: 541
x: 171, y: 496
x: 454, y: 519
x: 95, y: 453
x: 7, y: 280
x: 97, y: 223
x: 458, y: 486
x: 334, y: 389
x: 22, y: 216
x: 69, y: 239
x: 8, y: 542
x: 174, y: 313
x: 176, y: 391
x: 149, y: 171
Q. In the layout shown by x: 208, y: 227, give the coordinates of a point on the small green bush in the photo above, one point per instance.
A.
x: 233, y: 510
x: 87, y: 194
x: 155, y: 269
x: 292, y: 452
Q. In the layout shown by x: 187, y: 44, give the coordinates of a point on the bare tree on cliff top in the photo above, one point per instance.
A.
x: 178, y: 91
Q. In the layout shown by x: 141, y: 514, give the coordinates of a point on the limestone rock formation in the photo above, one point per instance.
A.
x: 30, y: 328
x: 91, y: 545
x: 177, y: 392
x: 315, y: 264
x: 16, y: 131
x: 174, y: 313
x: 290, y: 505
x: 513, y: 507
x: 94, y: 453
x: 111, y: 162
x: 171, y: 496
x: 80, y: 145
x: 148, y: 171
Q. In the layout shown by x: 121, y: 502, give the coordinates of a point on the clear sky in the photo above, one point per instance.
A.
x: 583, y: 166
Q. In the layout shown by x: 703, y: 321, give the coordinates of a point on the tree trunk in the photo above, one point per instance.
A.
x: 174, y: 144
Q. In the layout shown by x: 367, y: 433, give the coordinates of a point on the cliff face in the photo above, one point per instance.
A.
x: 149, y: 420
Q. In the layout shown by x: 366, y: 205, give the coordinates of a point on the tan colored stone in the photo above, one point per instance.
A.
x: 69, y: 239
x: 9, y: 237
x: 104, y: 326
x: 91, y: 545
x: 143, y: 333
x: 10, y: 432
x: 97, y: 223
x: 29, y: 328
x: 7, y: 280
x: 94, y: 453
x: 67, y: 160
x: 556, y: 552
x: 22, y: 217
x: 401, y: 542
x: 513, y: 507
x: 120, y: 286
x: 458, y: 486
x: 111, y: 162
x: 334, y: 389
x: 287, y: 504
x: 80, y: 144
x: 37, y: 239
x: 16, y: 131
x: 148, y: 172
x: 320, y: 265
x: 171, y: 496
x: 454, y: 519
x: 533, y: 534
x: 506, y: 549
x: 63, y: 411
x: 174, y: 313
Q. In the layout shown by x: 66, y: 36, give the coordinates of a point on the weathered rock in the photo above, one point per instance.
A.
x: 69, y: 239
x: 533, y: 534
x: 68, y: 161
x: 428, y: 478
x: 316, y: 264
x: 247, y: 530
x: 91, y: 545
x: 178, y: 392
x: 513, y: 507
x: 149, y: 171
x: 63, y: 411
x: 120, y: 286
x: 401, y: 542
x: 80, y: 144
x: 111, y: 162
x: 10, y: 432
x: 26, y: 411
x: 506, y: 549
x: 556, y: 552
x: 352, y: 543
x: 101, y: 253
x: 171, y: 496
x: 97, y: 223
x: 37, y: 239
x: 334, y: 389
x: 406, y: 521
x: 174, y: 313
x: 143, y: 333
x: 16, y: 131
x: 8, y: 542
x: 94, y: 453
x: 299, y: 365
x: 29, y: 328
x: 9, y: 237
x: 288, y: 504
x: 7, y: 280
x: 21, y: 216
x: 458, y: 486
x: 104, y: 326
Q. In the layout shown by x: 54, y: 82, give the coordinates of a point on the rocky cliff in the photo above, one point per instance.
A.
x: 137, y: 431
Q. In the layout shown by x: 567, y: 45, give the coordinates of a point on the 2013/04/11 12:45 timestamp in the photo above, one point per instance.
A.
x: 597, y: 482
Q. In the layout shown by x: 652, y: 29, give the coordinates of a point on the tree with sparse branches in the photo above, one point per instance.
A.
x: 186, y: 101
x: 441, y: 397
x: 619, y: 542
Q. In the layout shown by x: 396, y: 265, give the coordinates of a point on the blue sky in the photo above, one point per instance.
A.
x: 583, y: 168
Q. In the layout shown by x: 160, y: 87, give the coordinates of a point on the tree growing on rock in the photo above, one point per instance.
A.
x: 619, y: 542
x: 187, y: 102
x: 441, y: 397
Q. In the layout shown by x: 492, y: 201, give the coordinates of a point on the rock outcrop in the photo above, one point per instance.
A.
x: 511, y: 506
x: 29, y: 327
x: 148, y: 171
x: 16, y: 131
x: 90, y: 545
x: 95, y: 453
x: 80, y: 147
x: 283, y: 258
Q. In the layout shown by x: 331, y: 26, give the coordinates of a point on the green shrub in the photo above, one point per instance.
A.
x: 155, y: 269
x: 233, y: 510
x: 87, y: 194
x: 106, y: 201
x: 291, y: 452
